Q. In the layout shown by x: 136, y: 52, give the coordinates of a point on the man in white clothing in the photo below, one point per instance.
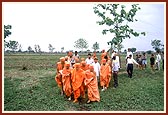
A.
x: 128, y: 54
x: 158, y: 59
x: 118, y: 59
x: 96, y: 66
x: 113, y: 54
x: 130, y: 62
x: 89, y: 60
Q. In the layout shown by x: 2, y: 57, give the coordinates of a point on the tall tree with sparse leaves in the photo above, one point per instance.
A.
x: 7, y: 32
x: 117, y: 18
x: 81, y: 44
x: 13, y: 45
x: 51, y: 48
x: 95, y: 46
x: 156, y: 44
x: 62, y: 49
x: 30, y: 49
x: 20, y: 48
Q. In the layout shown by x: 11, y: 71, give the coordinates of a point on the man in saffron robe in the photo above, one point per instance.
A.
x: 84, y: 66
x: 92, y: 85
x: 58, y: 77
x: 105, y: 75
x: 66, y: 80
x: 77, y: 76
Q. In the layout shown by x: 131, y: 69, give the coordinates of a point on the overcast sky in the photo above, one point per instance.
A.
x: 61, y: 24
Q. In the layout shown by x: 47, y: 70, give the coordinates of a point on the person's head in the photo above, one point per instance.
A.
x: 67, y: 65
x: 129, y: 49
x: 152, y: 55
x: 130, y: 56
x: 144, y: 54
x: 103, y: 50
x: 157, y: 51
x: 136, y: 55
x: 106, y: 57
x: 76, y: 52
x: 95, y: 59
x: 77, y: 66
x: 70, y: 54
x: 91, y: 68
x: 62, y: 60
x: 162, y: 52
x: 114, y: 58
x: 139, y: 55
x: 104, y: 61
x: 83, y: 63
x: 89, y: 55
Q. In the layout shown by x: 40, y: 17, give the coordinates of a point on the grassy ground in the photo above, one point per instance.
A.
x: 29, y: 85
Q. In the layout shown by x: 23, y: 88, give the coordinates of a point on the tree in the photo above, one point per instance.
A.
x: 81, y: 44
x: 133, y: 49
x: 39, y: 49
x: 156, y: 44
x: 95, y: 46
x: 7, y: 32
x: 30, y: 49
x: 35, y: 48
x: 119, y: 47
x: 13, y: 45
x: 117, y: 21
x: 149, y: 52
x: 62, y: 49
x: 51, y: 48
x: 20, y: 48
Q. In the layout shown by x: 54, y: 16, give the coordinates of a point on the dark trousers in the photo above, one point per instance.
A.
x: 130, y: 70
x: 115, y: 76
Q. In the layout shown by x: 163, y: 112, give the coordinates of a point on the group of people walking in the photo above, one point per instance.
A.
x: 75, y: 76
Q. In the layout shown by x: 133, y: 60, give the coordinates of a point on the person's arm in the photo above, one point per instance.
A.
x: 135, y: 62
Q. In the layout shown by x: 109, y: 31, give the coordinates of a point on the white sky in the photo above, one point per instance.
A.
x: 61, y: 24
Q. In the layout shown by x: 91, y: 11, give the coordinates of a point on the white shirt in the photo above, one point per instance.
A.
x: 115, y: 65
x: 77, y: 56
x: 158, y: 57
x: 129, y: 53
x: 118, y: 60
x: 131, y: 61
x: 96, y: 68
x: 89, y: 61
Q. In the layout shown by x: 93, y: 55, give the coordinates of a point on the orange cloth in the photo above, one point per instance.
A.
x: 102, y: 56
x: 66, y: 80
x: 92, y: 86
x: 109, y: 62
x: 105, y: 75
x: 58, y: 77
x: 77, y: 82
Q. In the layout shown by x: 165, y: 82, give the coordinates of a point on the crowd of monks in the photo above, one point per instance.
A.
x: 76, y: 77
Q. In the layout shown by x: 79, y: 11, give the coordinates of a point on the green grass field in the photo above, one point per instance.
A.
x: 29, y: 85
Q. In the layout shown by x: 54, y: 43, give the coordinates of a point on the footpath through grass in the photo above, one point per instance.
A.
x: 29, y: 85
